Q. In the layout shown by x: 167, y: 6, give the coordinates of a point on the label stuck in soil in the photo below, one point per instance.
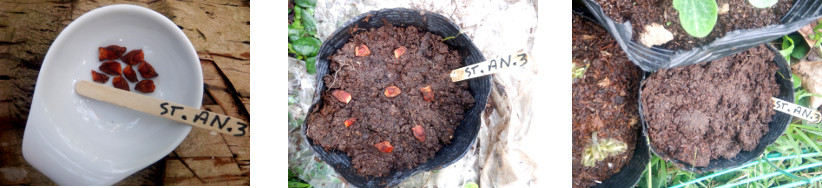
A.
x: 796, y: 110
x: 492, y: 66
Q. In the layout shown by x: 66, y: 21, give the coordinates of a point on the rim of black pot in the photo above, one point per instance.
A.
x: 464, y: 135
x: 777, y: 126
x: 802, y: 13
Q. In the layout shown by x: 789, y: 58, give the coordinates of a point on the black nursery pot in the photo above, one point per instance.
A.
x: 779, y: 122
x: 464, y: 134
x: 802, y: 13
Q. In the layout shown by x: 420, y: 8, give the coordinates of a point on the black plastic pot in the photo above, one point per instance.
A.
x: 776, y: 127
x: 802, y: 13
x: 464, y: 135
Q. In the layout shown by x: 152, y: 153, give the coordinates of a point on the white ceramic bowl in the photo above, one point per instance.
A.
x: 76, y: 140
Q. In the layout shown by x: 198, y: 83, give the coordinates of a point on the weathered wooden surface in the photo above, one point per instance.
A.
x: 219, y: 31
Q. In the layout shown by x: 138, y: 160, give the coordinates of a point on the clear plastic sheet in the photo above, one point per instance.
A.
x: 498, y: 157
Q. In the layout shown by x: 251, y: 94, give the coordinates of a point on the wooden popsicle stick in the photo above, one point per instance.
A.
x: 169, y: 110
x: 796, y: 110
x: 492, y: 66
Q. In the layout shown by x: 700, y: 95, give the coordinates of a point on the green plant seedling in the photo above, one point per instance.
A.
x: 599, y: 149
x: 697, y: 17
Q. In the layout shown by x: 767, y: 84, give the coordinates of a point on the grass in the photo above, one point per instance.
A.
x: 780, y: 165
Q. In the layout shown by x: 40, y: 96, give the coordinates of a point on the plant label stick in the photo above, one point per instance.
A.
x: 169, y: 110
x: 796, y: 110
x: 492, y: 66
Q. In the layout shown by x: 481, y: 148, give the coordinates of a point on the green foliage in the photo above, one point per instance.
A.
x: 787, y: 48
x: 470, y: 185
x: 800, y: 47
x: 762, y: 3
x: 296, y: 182
x: 697, y: 17
x: 303, y: 43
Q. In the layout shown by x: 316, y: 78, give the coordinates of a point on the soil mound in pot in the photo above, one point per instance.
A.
x: 740, y: 14
x: 380, y: 118
x: 604, y: 101
x: 713, y: 109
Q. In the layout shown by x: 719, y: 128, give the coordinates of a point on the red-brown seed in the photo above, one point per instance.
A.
x: 145, y: 86
x: 99, y: 77
x: 111, y: 52
x: 133, y: 57
x: 146, y: 70
x: 111, y: 67
x: 427, y: 94
x: 129, y: 73
x: 120, y: 83
x: 350, y: 121
x: 392, y: 91
x: 362, y: 50
x: 419, y: 133
x: 384, y: 147
x: 399, y: 51
x: 341, y: 95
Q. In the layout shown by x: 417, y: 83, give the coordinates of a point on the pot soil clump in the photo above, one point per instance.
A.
x: 713, y: 109
x: 605, y: 115
x: 390, y: 103
x: 732, y: 15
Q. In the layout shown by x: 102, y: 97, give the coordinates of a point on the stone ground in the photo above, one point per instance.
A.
x: 27, y: 29
x: 498, y: 158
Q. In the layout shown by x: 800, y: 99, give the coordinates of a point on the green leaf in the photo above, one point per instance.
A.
x: 787, y: 48
x: 796, y: 81
x: 307, y: 46
x: 294, y: 34
x: 800, y: 47
x: 470, y: 185
x: 308, y: 21
x: 310, y: 65
x: 306, y: 3
x: 297, y: 13
x: 297, y: 185
x: 697, y: 17
x: 762, y: 3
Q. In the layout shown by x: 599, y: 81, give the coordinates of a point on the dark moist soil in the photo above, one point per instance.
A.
x: 712, y: 109
x: 604, y: 100
x: 427, y: 62
x: 740, y: 15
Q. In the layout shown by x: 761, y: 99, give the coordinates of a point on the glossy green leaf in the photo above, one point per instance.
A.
x: 697, y: 17
x: 307, y: 46
x: 306, y: 3
x: 308, y: 21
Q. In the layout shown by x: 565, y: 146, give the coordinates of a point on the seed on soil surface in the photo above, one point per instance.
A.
x: 361, y: 50
x: 99, y: 77
x: 419, y: 133
x: 111, y: 52
x: 133, y: 57
x: 427, y: 94
x: 121, y: 83
x: 392, y: 91
x: 111, y: 67
x: 129, y: 73
x: 384, y: 147
x: 399, y: 51
x: 145, y: 86
x: 341, y: 95
x: 146, y: 70
x: 350, y: 121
